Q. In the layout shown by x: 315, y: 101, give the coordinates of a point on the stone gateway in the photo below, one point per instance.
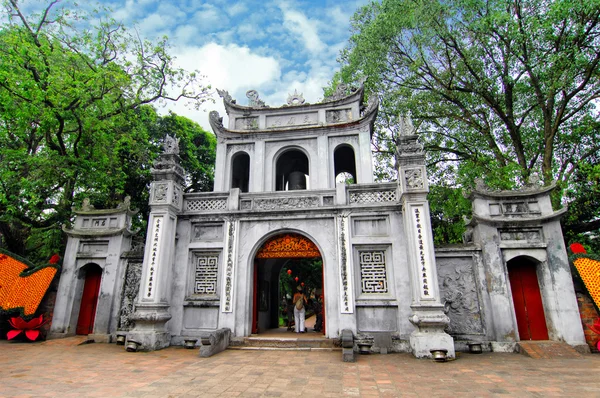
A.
x: 296, y: 182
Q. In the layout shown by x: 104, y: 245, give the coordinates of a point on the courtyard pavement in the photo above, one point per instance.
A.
x: 59, y: 369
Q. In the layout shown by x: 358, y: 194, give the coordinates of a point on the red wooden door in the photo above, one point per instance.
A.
x: 89, y: 300
x: 323, y: 301
x: 527, y: 299
x: 255, y: 300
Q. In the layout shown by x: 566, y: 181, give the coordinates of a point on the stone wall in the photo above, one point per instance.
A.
x: 588, y: 315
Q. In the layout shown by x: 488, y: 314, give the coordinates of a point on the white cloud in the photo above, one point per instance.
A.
x: 236, y: 9
x: 228, y: 67
x: 209, y: 18
x: 297, y: 23
x: 251, y: 32
x: 186, y: 33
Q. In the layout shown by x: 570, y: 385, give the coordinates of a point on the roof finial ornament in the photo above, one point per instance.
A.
x: 406, y: 125
x: 253, y: 99
x: 534, y: 180
x: 341, y: 90
x: 87, y: 205
x: 171, y: 145
x: 226, y: 96
x: 215, y: 119
x: 295, y: 99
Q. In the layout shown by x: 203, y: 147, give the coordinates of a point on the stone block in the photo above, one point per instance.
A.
x: 383, y: 341
x: 215, y: 342
x: 100, y: 338
x: 347, y: 346
x: 500, y: 346
x: 348, y: 355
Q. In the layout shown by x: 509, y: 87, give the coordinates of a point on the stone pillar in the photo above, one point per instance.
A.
x: 221, y: 168
x: 166, y: 199
x: 364, y: 163
x: 427, y: 310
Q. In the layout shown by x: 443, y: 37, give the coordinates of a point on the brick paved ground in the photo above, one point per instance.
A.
x: 106, y: 370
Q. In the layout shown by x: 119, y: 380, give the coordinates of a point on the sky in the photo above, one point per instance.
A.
x: 272, y: 46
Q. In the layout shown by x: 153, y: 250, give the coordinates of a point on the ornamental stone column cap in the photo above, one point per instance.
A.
x: 167, y: 165
x: 409, y: 151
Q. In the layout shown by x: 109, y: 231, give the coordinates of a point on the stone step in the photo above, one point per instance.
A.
x: 284, y: 343
x: 69, y: 341
x: 544, y: 349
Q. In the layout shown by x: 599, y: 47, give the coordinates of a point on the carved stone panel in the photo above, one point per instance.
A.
x: 206, y: 272
x: 131, y: 287
x: 458, y: 290
x: 294, y: 202
x: 99, y: 247
x: 208, y: 232
x: 515, y: 208
x: 198, y: 205
x: 381, y: 196
x: 377, y: 319
x: 414, y: 178
x: 99, y: 223
x: 522, y: 235
x: 159, y: 192
x: 246, y: 123
x: 373, y: 274
x: 294, y: 119
x: 370, y: 226
x: 338, y: 115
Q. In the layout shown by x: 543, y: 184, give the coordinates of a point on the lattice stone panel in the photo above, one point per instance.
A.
x: 373, y: 276
x: 207, y: 272
x: 206, y: 204
x: 373, y: 196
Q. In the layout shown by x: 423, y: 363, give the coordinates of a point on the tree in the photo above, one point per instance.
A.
x: 197, y: 149
x: 500, y: 89
x: 72, y: 117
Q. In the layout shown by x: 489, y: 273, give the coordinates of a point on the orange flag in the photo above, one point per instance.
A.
x: 23, y: 285
x: 589, y: 271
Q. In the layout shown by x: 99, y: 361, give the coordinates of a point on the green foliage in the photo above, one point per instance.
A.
x: 308, y: 271
x: 197, y: 149
x: 447, y: 207
x: 499, y: 89
x: 74, y: 119
x: 584, y: 200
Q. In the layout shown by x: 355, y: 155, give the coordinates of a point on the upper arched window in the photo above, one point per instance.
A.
x: 291, y: 171
x: 344, y: 164
x: 240, y: 171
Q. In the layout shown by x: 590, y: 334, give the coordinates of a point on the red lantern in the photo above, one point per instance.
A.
x: 289, y: 272
x: 296, y: 279
x: 302, y: 284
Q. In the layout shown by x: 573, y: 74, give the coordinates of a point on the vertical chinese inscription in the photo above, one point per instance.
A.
x: 154, y: 256
x: 373, y: 276
x: 206, y: 273
x: 421, y: 252
x: 345, y: 292
x: 227, y: 306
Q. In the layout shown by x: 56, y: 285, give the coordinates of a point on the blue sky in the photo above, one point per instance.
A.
x: 273, y: 47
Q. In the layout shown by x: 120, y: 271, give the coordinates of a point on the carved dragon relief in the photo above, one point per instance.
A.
x: 459, y: 292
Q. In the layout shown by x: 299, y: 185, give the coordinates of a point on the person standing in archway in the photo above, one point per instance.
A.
x: 299, y: 310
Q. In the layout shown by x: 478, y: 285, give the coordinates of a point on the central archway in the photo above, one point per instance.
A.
x: 279, y: 261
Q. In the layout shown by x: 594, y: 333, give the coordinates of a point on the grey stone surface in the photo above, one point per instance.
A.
x: 98, y: 236
x: 382, y: 341
x: 347, y: 338
x: 384, y: 280
x: 215, y: 342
